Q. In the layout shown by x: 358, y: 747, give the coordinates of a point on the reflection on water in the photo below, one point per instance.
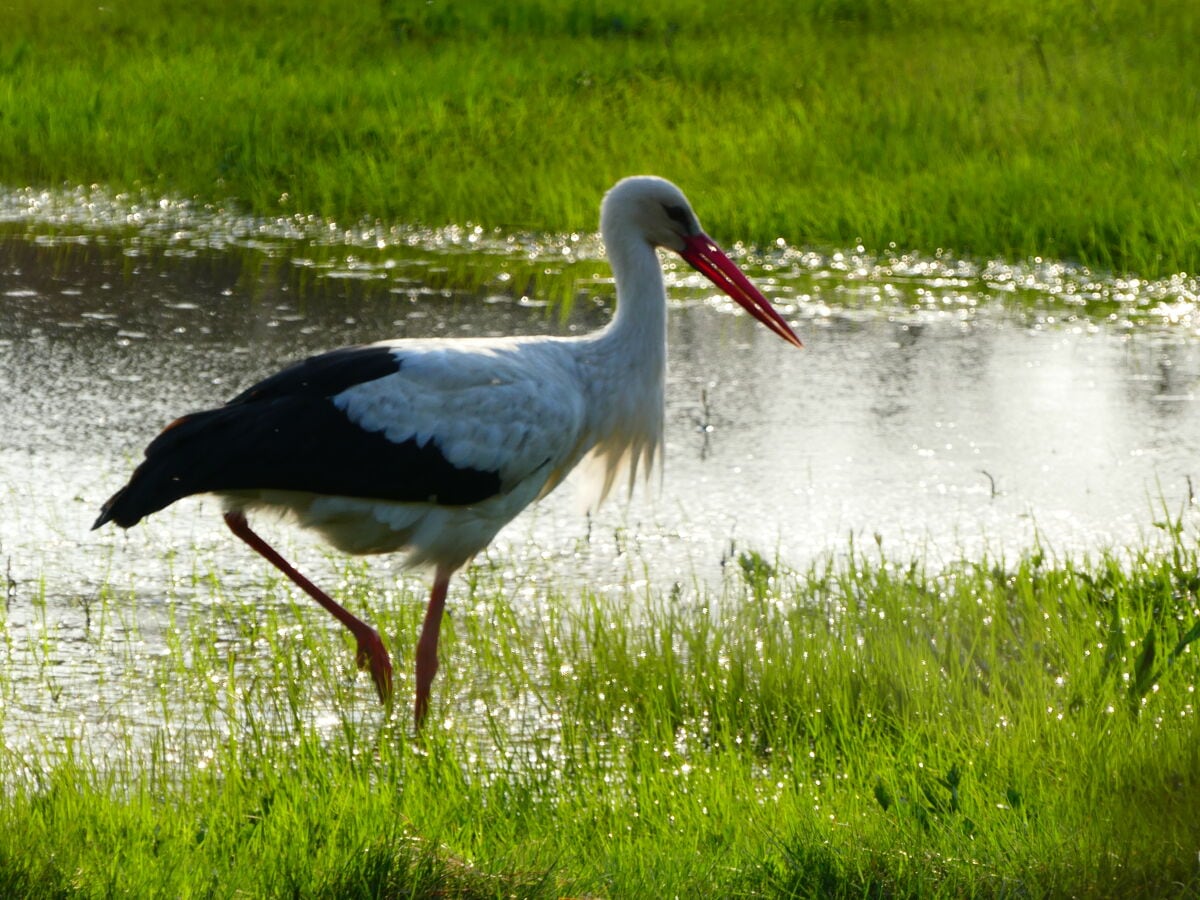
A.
x: 941, y: 408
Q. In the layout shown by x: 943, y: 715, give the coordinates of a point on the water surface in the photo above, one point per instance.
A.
x: 941, y: 408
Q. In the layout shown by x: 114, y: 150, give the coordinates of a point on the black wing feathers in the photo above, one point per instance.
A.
x: 285, y: 434
x: 325, y: 375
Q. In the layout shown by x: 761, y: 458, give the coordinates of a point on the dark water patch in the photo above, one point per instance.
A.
x: 374, y: 256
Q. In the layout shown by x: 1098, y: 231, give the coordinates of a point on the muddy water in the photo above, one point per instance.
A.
x: 940, y: 408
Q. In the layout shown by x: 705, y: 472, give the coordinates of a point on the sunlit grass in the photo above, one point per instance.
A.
x: 862, y: 727
x: 1059, y: 130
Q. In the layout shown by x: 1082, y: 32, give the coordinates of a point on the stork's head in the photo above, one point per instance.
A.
x: 652, y: 209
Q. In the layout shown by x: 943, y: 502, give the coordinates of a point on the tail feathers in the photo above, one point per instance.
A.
x: 178, y: 463
x: 146, y: 493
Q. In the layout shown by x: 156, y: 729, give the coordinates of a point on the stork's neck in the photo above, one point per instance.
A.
x: 638, y: 330
x: 622, y: 371
x: 629, y: 357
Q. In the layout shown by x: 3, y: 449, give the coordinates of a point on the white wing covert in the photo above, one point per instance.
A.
x: 511, y: 408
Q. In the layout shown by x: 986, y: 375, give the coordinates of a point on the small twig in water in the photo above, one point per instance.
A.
x: 85, y: 604
x: 10, y: 586
x: 991, y: 481
x: 704, y: 423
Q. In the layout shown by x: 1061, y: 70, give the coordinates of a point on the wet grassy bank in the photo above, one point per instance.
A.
x: 1060, y: 130
x: 865, y: 727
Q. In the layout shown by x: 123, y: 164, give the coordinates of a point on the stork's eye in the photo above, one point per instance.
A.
x: 679, y: 214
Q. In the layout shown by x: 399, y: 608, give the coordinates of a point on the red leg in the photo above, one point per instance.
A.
x: 427, y: 645
x: 372, y: 654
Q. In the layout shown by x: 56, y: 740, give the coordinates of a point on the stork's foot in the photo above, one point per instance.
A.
x: 373, y: 657
x: 420, y: 710
x: 425, y: 673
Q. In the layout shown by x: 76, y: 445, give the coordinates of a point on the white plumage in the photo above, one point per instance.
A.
x: 511, y: 407
x: 430, y: 447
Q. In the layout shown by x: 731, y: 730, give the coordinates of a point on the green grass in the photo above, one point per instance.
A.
x: 1064, y: 130
x: 864, y: 727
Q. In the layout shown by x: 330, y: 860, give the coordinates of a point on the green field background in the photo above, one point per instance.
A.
x: 1069, y: 130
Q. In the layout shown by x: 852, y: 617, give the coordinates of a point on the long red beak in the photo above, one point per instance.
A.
x: 703, y: 255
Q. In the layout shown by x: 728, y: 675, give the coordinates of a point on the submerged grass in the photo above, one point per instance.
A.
x: 864, y: 727
x: 1064, y: 130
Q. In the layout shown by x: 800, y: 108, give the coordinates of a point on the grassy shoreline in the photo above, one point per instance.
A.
x: 861, y: 728
x: 984, y: 129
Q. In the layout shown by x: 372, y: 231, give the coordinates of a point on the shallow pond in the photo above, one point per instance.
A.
x: 941, y: 408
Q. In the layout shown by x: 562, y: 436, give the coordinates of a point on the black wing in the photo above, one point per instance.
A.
x: 325, y: 375
x: 285, y: 433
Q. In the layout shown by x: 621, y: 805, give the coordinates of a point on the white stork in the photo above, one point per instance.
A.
x: 433, y: 446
